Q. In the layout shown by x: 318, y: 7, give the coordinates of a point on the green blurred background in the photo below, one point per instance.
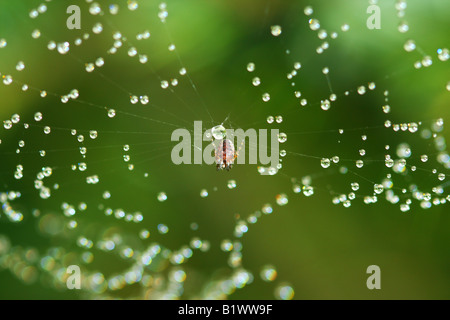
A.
x: 322, y: 249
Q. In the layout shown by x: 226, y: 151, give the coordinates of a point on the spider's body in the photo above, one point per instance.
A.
x: 225, y: 155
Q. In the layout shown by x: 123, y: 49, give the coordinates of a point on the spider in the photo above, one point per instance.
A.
x: 225, y: 154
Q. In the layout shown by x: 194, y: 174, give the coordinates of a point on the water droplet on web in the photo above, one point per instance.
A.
x: 378, y: 188
x: 162, y: 228
x: 282, y: 137
x: 266, y: 97
x: 359, y: 164
x: 111, y: 113
x: 443, y: 54
x: 134, y: 99
x: 113, y: 9
x: 325, y: 105
x: 219, y: 132
x: 97, y: 28
x: 143, y: 58
x: 427, y: 61
x: 164, y: 84
x: 3, y: 43
x: 82, y: 166
x: 231, y: 184
x: 7, y: 124
x: 132, y: 51
x: 89, y: 67
x: 361, y: 90
x: 144, y: 234
x: 144, y: 99
x: 403, y: 27
x: 162, y: 197
x: 36, y: 34
x: 7, y: 80
x: 250, y: 67
x: 95, y: 9
x: 256, y: 81
x: 355, y: 186
x: 308, y: 11
x: 99, y: 62
x: 63, y: 47
x: 15, y: 118
x: 314, y: 24
x: 325, y: 163
x: 132, y: 5
x: 322, y: 34
x: 284, y: 292
x: 404, y: 150
x: 275, y: 30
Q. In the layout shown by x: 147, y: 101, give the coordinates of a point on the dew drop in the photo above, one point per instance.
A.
x: 219, y: 132
x: 89, y: 67
x: 7, y: 124
x: 231, y: 184
x: 325, y: 163
x: 359, y: 164
x: 63, y: 47
x: 308, y: 11
x: 111, y: 113
x: 20, y: 66
x: 162, y: 197
x: 284, y: 292
x: 314, y: 24
x: 282, y: 137
x: 275, y: 30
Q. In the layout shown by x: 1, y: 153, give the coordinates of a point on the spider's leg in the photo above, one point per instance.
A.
x: 236, y: 153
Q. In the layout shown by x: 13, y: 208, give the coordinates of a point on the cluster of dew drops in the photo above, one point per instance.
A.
x: 403, y: 151
x: 157, y: 269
